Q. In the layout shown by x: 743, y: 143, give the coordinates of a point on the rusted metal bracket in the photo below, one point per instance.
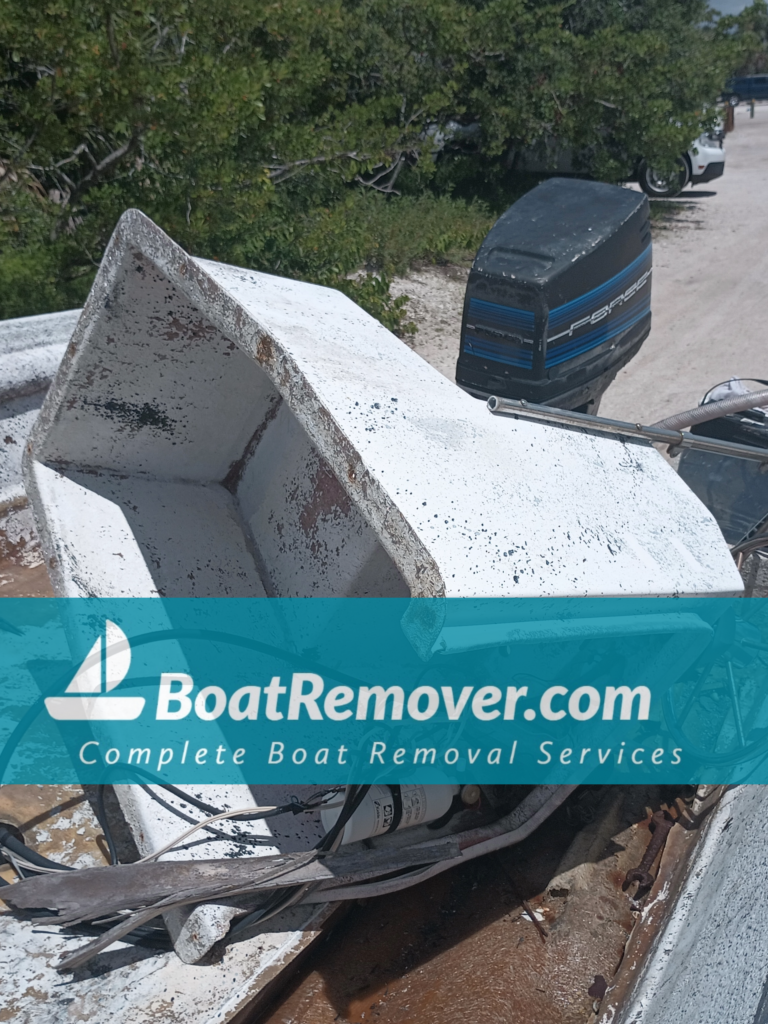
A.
x: 662, y: 823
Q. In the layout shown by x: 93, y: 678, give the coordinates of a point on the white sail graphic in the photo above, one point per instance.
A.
x: 88, y: 676
x: 104, y: 667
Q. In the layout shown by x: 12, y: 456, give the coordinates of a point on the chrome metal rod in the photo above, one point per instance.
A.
x: 617, y: 428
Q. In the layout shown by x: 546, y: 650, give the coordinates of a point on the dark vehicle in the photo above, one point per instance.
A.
x: 559, y: 296
x: 750, y: 87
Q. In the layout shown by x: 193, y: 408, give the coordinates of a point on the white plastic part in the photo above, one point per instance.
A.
x: 376, y: 813
x: 216, y: 432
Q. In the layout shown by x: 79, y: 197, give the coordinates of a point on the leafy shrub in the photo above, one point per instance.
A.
x: 316, y: 140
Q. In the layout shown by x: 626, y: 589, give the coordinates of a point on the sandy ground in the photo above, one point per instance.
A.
x: 710, y: 291
x: 437, y: 301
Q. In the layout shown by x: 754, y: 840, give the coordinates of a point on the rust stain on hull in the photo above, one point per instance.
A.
x: 461, y: 947
x: 22, y: 570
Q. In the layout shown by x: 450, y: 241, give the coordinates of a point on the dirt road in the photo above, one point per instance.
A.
x: 710, y: 291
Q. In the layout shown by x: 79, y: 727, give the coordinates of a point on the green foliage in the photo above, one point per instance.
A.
x: 385, y: 237
x: 748, y: 31
x: 314, y: 141
x: 372, y: 293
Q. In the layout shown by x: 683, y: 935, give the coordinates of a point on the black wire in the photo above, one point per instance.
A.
x: 101, y: 813
x: 134, y: 769
x: 189, y: 799
x: 296, y: 807
x: 274, y: 903
x: 242, y: 841
x: 147, y: 935
x: 281, y: 896
x: 10, y: 842
x: 212, y: 636
x: 154, y: 936
x: 173, y: 634
x: 353, y: 801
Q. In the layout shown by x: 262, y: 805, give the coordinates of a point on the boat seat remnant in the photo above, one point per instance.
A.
x: 240, y: 434
x: 214, y: 431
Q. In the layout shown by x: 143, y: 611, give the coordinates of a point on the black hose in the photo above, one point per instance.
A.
x: 10, y: 842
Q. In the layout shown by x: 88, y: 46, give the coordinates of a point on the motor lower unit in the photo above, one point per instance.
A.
x: 734, y: 490
x: 389, y: 808
x: 559, y: 295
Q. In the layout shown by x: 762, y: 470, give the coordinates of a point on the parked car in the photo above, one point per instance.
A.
x: 704, y: 161
x: 748, y: 87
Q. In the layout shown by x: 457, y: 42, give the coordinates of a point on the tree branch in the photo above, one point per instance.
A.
x: 281, y: 172
x: 96, y: 172
x: 390, y: 173
x: 82, y: 186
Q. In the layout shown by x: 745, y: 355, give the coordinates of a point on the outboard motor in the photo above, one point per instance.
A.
x: 735, y: 491
x: 559, y: 296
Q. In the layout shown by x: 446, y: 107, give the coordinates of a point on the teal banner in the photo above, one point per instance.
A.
x: 328, y: 691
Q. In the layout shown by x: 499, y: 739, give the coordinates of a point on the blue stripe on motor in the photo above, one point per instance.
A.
x: 498, y: 352
x: 618, y: 317
x: 571, y: 310
x: 577, y: 346
x: 501, y: 316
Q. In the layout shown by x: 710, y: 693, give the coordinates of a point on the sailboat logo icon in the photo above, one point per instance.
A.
x: 104, y: 667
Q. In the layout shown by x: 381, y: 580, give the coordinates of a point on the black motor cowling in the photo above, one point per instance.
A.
x: 559, y: 296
